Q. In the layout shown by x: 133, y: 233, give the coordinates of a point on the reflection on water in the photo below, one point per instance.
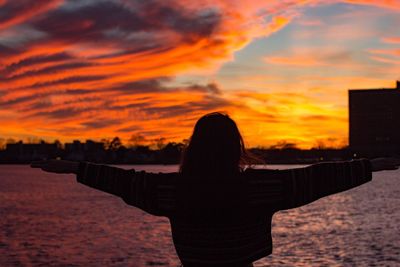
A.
x: 48, y: 219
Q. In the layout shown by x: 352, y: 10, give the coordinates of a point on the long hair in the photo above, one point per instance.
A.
x: 215, y: 147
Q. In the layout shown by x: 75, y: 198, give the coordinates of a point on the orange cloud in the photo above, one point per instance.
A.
x: 393, y: 4
x: 64, y: 84
x: 294, y: 61
x: 391, y: 40
x: 97, y: 69
x: 388, y: 52
x: 290, y: 117
x: 322, y: 57
x: 16, y: 12
x: 385, y: 60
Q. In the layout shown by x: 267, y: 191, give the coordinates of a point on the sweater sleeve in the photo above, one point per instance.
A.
x: 291, y: 188
x: 304, y: 185
x: 148, y: 191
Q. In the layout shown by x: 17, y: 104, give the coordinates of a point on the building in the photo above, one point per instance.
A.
x: 20, y: 152
x: 90, y: 151
x: 374, y: 121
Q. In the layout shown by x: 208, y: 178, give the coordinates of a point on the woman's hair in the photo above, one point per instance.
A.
x: 215, y: 147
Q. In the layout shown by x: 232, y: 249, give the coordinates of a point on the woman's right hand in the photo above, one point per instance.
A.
x: 56, y: 166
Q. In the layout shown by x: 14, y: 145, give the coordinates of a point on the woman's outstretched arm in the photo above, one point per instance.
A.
x: 102, y: 177
x: 305, y: 185
x: 139, y: 189
x: 291, y: 188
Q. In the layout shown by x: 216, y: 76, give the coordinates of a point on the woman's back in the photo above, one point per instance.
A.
x: 216, y: 225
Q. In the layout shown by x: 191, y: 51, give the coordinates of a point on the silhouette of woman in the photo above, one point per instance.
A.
x: 220, y: 212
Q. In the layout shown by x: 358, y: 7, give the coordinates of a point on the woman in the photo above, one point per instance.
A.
x: 220, y: 213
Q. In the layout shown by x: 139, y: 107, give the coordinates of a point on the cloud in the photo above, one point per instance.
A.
x: 35, y: 60
x: 96, y: 68
x: 295, y: 117
x: 96, y: 61
x: 391, y: 4
x: 100, y: 123
x: 300, y: 57
x: 391, y: 40
x: 16, y: 12
x: 297, y: 60
x: 387, y: 52
x: 310, y: 22
x: 59, y: 113
x: 385, y: 60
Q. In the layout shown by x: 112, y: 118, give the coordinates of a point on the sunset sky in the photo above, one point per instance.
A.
x: 88, y: 69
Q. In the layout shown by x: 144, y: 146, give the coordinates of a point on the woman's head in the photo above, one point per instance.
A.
x: 215, y: 146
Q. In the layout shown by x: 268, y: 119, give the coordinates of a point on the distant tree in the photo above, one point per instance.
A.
x: 185, y: 142
x: 106, y: 142
x: 137, y: 140
x: 320, y: 145
x: 160, y: 142
x: 115, y: 144
x: 284, y: 145
x: 33, y: 140
x: 171, y: 152
x: 2, y: 143
x: 143, y: 149
x: 11, y: 141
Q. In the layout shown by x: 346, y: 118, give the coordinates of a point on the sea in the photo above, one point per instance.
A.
x: 51, y: 220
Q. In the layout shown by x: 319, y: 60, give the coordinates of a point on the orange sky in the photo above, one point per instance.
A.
x: 99, y: 69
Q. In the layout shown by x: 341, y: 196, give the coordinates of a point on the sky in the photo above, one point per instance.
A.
x: 281, y: 69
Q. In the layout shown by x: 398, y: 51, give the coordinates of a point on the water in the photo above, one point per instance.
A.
x: 49, y: 219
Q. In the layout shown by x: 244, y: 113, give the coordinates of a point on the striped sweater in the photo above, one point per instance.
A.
x: 224, y: 221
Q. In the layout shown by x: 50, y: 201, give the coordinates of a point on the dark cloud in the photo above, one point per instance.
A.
x: 22, y: 9
x: 143, y: 86
x: 44, y: 107
x: 79, y: 91
x: 89, y: 22
x: 116, y: 107
x: 159, y: 85
x: 62, y: 113
x: 30, y: 61
x: 209, y: 88
x: 7, y: 51
x: 16, y: 101
x: 128, y: 129
x: 205, y: 105
x: 100, y: 123
x: 211, y: 99
x: 69, y: 80
x: 41, y: 104
x: 106, y: 20
x: 191, y: 25
x: 50, y: 70
x: 41, y: 99
x: 152, y: 133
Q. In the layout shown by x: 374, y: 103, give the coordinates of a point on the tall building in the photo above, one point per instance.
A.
x: 374, y: 118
